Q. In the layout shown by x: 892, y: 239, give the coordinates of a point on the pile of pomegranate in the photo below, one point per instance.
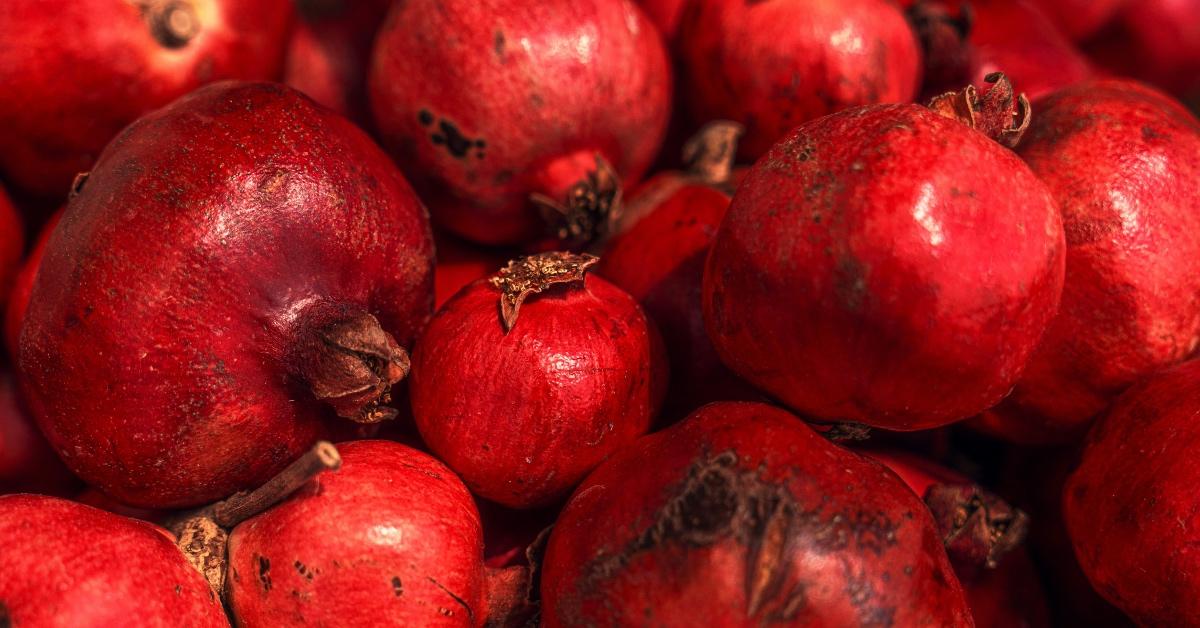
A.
x: 517, y: 313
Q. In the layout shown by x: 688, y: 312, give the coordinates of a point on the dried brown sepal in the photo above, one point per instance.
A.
x: 534, y: 273
x: 998, y: 113
x: 978, y: 528
x: 590, y: 210
x: 710, y: 153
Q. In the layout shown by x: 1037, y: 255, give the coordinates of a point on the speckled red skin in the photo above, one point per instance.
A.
x: 1079, y: 19
x: 12, y: 245
x: 1014, y: 37
x: 533, y: 88
x: 1121, y: 160
x: 75, y: 73
x: 851, y: 545
x: 392, y: 538
x: 22, y: 285
x: 27, y: 463
x: 774, y: 65
x: 66, y: 564
x: 524, y: 416
x: 857, y: 276
x: 157, y: 342
x: 1156, y: 41
x: 460, y: 263
x: 1131, y: 505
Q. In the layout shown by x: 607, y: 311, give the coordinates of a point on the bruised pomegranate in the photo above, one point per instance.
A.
x: 27, y: 462
x: 66, y: 564
x: 1079, y: 19
x: 773, y: 65
x: 525, y: 382
x: 22, y: 285
x: 12, y: 244
x: 742, y: 515
x: 487, y: 103
x: 329, y: 49
x: 1131, y: 506
x: 75, y: 73
x: 393, y: 535
x: 1121, y: 160
x: 215, y: 291
x: 857, y: 275
x: 1156, y: 41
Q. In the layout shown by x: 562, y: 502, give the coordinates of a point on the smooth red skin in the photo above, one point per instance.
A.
x: 856, y: 580
x: 546, y: 85
x: 1014, y: 37
x: 460, y: 263
x: 1121, y: 160
x: 523, y: 416
x: 27, y: 463
x: 12, y: 245
x: 1079, y: 19
x: 156, y: 341
x: 857, y: 275
x: 1156, y: 41
x: 774, y: 65
x: 22, y: 286
x: 66, y: 564
x: 334, y: 548
x: 75, y: 73
x: 1131, y: 505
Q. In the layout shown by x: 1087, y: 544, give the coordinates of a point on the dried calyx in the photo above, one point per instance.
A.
x: 590, y: 210
x: 173, y: 23
x: 533, y: 274
x: 710, y: 153
x: 999, y: 112
x: 978, y: 528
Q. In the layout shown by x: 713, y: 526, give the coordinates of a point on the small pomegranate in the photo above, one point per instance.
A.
x: 22, y: 285
x: 75, y: 73
x: 856, y: 275
x: 747, y: 517
x: 525, y: 382
x: 12, y: 244
x: 528, y: 97
x: 1079, y: 19
x: 27, y: 462
x: 1156, y: 41
x: 1121, y: 160
x: 1131, y: 506
x: 215, y: 289
x: 774, y: 65
x: 66, y: 564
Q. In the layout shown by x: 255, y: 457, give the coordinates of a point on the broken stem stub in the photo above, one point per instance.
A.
x: 710, y: 153
x: 997, y: 113
x: 977, y: 527
x: 173, y: 23
x: 533, y: 274
x: 590, y: 210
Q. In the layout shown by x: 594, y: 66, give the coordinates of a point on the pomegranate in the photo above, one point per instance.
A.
x: 856, y: 275
x: 459, y: 263
x: 66, y: 564
x: 393, y: 537
x: 1079, y: 19
x: 774, y: 65
x: 1131, y: 505
x: 1121, y: 160
x: 525, y: 382
x: 329, y: 49
x: 528, y: 97
x: 214, y: 286
x: 75, y: 73
x: 1156, y: 41
x: 746, y: 517
x: 27, y: 462
x: 18, y: 297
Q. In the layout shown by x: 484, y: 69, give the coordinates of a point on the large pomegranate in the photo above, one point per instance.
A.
x: 485, y: 103
x: 239, y: 265
x: 858, y: 273
x: 75, y: 73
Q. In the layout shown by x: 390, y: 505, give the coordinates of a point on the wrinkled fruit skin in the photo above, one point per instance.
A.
x: 75, y: 73
x: 22, y: 286
x: 774, y: 65
x: 746, y: 518
x: 1121, y: 160
x: 66, y: 564
x: 1012, y: 36
x: 1079, y: 19
x: 857, y: 274
x: 518, y: 102
x: 392, y: 538
x: 27, y: 463
x: 1131, y: 505
x: 1156, y: 41
x: 524, y: 416
x: 159, y: 342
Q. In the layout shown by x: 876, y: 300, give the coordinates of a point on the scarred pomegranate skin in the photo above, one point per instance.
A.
x: 22, y: 285
x: 329, y: 49
x: 392, y: 538
x: 746, y: 517
x: 773, y: 65
x: 75, y: 73
x: 1079, y: 19
x: 523, y: 415
x: 1131, y: 505
x: 1122, y: 161
x: 520, y: 100
x: 66, y: 564
x: 210, y: 283
x: 858, y: 276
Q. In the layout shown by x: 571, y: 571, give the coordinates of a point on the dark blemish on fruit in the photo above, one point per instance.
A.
x: 459, y: 600
x: 424, y: 117
x: 1148, y: 134
x: 536, y: 100
x: 397, y: 586
x: 498, y: 45
x: 304, y: 571
x: 5, y: 617
x: 504, y: 176
x: 449, y: 136
x: 264, y: 572
x: 178, y: 589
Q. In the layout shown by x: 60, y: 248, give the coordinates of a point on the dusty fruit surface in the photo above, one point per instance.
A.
x: 747, y: 517
x: 214, y: 294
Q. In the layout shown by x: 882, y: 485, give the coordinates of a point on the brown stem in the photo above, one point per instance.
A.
x: 173, y: 23
x: 710, y: 153
x: 978, y: 528
x: 998, y: 113
x: 590, y: 210
x: 533, y: 274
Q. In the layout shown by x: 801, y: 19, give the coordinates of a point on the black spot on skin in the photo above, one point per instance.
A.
x: 457, y: 143
x: 304, y: 571
x: 264, y: 572
x: 397, y: 586
x: 424, y: 117
x: 498, y: 45
x: 178, y: 589
x: 1149, y: 134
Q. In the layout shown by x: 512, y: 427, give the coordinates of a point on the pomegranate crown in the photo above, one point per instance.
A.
x: 534, y: 273
x: 998, y: 113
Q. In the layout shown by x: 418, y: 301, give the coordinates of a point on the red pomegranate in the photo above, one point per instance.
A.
x: 1131, y: 506
x: 774, y: 65
x: 856, y: 275
x: 75, y: 73
x: 742, y: 515
x: 12, y: 244
x: 66, y: 564
x: 27, y: 462
x: 1079, y: 19
x: 525, y: 382
x: 18, y: 296
x: 1121, y: 160
x: 460, y: 263
x: 528, y: 97
x: 329, y: 50
x: 1156, y: 41
x: 214, y: 286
